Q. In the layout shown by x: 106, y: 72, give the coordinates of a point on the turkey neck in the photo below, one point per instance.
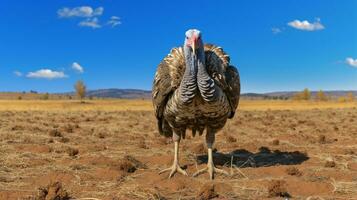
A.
x: 188, y: 84
x: 205, y: 83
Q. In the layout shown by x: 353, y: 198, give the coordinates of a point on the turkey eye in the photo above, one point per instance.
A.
x: 186, y: 37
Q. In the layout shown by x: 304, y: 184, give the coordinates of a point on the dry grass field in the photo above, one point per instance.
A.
x: 110, y: 149
x: 146, y: 105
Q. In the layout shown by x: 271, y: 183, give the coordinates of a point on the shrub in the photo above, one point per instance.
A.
x: 320, y: 96
x: 304, y: 95
x: 80, y: 88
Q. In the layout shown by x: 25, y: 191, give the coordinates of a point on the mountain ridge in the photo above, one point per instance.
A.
x: 146, y: 94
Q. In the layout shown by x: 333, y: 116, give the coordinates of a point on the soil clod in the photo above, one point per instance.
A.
x: 277, y: 188
x: 207, y: 192
x: 53, y: 191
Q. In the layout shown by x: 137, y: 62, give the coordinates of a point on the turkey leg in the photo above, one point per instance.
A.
x: 211, y: 169
x: 175, y: 167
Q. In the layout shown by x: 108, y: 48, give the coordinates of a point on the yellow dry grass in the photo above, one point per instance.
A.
x: 75, y: 105
x: 292, y: 105
x: 146, y: 105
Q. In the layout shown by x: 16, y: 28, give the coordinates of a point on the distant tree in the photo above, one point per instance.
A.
x: 46, y: 96
x: 306, y: 94
x: 80, y: 90
x: 320, y: 96
x: 350, y: 97
x: 282, y: 98
x: 342, y: 99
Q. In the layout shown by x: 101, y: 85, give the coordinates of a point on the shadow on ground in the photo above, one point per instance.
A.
x: 264, y: 158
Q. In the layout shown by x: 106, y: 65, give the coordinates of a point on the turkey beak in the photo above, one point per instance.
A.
x: 194, y: 47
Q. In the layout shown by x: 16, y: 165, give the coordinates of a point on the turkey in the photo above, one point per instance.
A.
x: 196, y: 88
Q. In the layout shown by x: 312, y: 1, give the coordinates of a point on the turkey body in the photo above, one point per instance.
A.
x: 175, y: 114
x: 197, y: 91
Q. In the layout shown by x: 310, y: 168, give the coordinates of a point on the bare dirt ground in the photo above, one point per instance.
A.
x: 300, y: 154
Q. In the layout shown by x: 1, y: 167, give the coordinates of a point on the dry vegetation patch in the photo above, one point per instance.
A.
x: 277, y: 188
x: 322, y: 139
x: 53, y: 191
x: 293, y: 171
x: 72, y: 151
x: 330, y: 163
x: 275, y: 142
x: 206, y: 192
x: 231, y: 139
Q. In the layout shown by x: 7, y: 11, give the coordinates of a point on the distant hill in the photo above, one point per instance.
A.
x: 146, y: 94
x: 120, y: 93
x: 289, y: 94
x: 117, y: 93
x: 100, y: 93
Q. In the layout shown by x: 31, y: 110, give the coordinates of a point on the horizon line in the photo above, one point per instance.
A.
x: 145, y: 90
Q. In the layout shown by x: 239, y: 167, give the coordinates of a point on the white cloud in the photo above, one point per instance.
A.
x: 352, y: 62
x: 17, y: 73
x: 114, y: 21
x: 82, y: 11
x: 76, y: 66
x: 93, y: 23
x: 46, y: 74
x: 276, y: 30
x: 98, y: 11
x: 90, y: 16
x: 306, y: 25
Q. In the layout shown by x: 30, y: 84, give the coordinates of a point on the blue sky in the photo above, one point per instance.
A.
x: 276, y: 44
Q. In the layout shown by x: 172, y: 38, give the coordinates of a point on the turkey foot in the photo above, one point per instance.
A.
x: 211, y: 169
x: 175, y: 167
